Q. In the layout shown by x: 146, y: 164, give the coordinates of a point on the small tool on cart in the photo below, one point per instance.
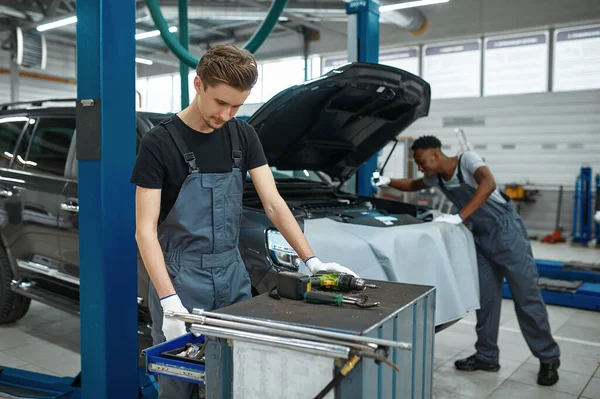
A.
x: 336, y: 299
x: 339, y: 282
x: 299, y: 286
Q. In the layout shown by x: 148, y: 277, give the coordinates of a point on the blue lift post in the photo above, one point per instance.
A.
x: 363, y: 46
x: 106, y: 129
x: 583, y: 207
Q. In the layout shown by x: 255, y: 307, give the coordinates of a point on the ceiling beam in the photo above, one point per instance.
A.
x: 53, y: 7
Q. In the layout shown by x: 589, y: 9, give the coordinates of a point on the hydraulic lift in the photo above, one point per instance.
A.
x: 572, y: 284
x: 106, y: 154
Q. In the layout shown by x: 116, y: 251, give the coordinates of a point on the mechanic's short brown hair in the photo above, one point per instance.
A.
x: 230, y: 65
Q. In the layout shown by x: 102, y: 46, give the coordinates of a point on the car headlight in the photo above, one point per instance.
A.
x: 281, y: 252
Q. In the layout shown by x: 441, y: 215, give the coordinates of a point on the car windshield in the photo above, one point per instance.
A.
x: 303, y: 174
x: 298, y: 174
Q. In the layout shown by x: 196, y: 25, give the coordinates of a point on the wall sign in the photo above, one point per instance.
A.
x: 454, y: 69
x: 576, y: 63
x: 516, y: 64
x: 404, y: 58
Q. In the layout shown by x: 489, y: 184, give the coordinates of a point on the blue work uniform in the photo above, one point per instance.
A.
x: 199, y: 239
x: 503, y: 251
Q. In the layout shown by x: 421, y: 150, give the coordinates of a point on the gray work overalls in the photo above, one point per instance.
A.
x: 503, y: 250
x: 199, y: 239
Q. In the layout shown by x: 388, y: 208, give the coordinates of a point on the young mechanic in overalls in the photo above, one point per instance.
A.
x: 503, y: 250
x: 190, y: 173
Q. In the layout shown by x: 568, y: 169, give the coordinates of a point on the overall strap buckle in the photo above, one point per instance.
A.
x: 167, y: 120
x: 237, y: 158
x: 190, y: 159
x: 234, y: 135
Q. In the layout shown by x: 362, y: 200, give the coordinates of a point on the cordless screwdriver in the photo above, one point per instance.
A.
x: 343, y: 282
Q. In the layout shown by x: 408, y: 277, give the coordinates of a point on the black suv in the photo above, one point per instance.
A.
x: 315, y: 136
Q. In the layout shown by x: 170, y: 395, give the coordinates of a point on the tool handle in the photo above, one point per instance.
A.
x: 323, y: 297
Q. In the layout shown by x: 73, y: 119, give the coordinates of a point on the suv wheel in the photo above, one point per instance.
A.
x: 12, y: 305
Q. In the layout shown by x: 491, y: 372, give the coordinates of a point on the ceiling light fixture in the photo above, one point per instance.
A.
x: 143, y: 61
x: 153, y: 33
x: 57, y: 24
x: 410, y: 4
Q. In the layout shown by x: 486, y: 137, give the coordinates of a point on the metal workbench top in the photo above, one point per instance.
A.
x: 349, y: 318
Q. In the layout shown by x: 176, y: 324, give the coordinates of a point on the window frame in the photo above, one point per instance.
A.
x: 34, y: 131
x: 19, y: 137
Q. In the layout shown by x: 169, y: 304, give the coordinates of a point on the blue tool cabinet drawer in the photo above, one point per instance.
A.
x: 161, y: 361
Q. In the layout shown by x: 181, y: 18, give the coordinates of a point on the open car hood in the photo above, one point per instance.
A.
x: 337, y: 122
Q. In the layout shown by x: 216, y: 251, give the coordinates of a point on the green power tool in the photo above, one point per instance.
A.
x: 342, y: 282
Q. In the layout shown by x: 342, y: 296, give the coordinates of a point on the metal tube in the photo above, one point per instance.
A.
x: 311, y: 347
x: 194, y: 319
x: 307, y: 330
x: 184, y: 38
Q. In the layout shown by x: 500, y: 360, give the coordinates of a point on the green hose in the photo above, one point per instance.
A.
x: 184, y: 55
x: 266, y: 27
x: 184, y: 39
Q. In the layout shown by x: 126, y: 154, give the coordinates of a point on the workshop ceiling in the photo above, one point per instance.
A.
x: 210, y: 21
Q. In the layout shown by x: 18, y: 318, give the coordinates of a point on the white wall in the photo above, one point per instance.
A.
x: 535, y: 138
x: 60, y: 64
x: 540, y: 140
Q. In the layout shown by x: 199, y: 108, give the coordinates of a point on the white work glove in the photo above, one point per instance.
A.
x: 314, y: 265
x: 452, y: 219
x: 597, y: 217
x: 173, y: 328
x: 380, y: 181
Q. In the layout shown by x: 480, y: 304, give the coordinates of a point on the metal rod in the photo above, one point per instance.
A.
x: 311, y: 347
x: 307, y: 330
x: 194, y: 319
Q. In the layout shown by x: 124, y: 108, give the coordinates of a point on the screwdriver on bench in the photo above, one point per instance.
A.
x: 318, y: 297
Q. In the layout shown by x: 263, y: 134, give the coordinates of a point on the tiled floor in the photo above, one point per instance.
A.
x: 576, y: 331
x: 47, y: 341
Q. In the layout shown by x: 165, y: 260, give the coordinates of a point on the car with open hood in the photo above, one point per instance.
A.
x: 315, y: 136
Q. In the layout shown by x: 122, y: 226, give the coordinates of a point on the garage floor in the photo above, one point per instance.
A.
x: 47, y: 341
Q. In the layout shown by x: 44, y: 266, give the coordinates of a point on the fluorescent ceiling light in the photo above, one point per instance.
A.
x: 57, y: 24
x: 143, y: 61
x: 410, y: 4
x: 153, y: 33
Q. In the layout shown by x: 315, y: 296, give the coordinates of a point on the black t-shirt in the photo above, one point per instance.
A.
x: 159, y: 163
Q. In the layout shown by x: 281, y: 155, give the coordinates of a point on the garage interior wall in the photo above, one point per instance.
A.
x: 56, y: 81
x: 539, y: 140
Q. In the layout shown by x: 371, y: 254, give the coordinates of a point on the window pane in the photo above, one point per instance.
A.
x: 141, y: 99
x: 191, y: 78
x: 255, y: 96
x: 50, y: 145
x: 280, y: 75
x: 10, y: 130
x: 160, y: 94
x: 316, y: 67
x: 176, y: 93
